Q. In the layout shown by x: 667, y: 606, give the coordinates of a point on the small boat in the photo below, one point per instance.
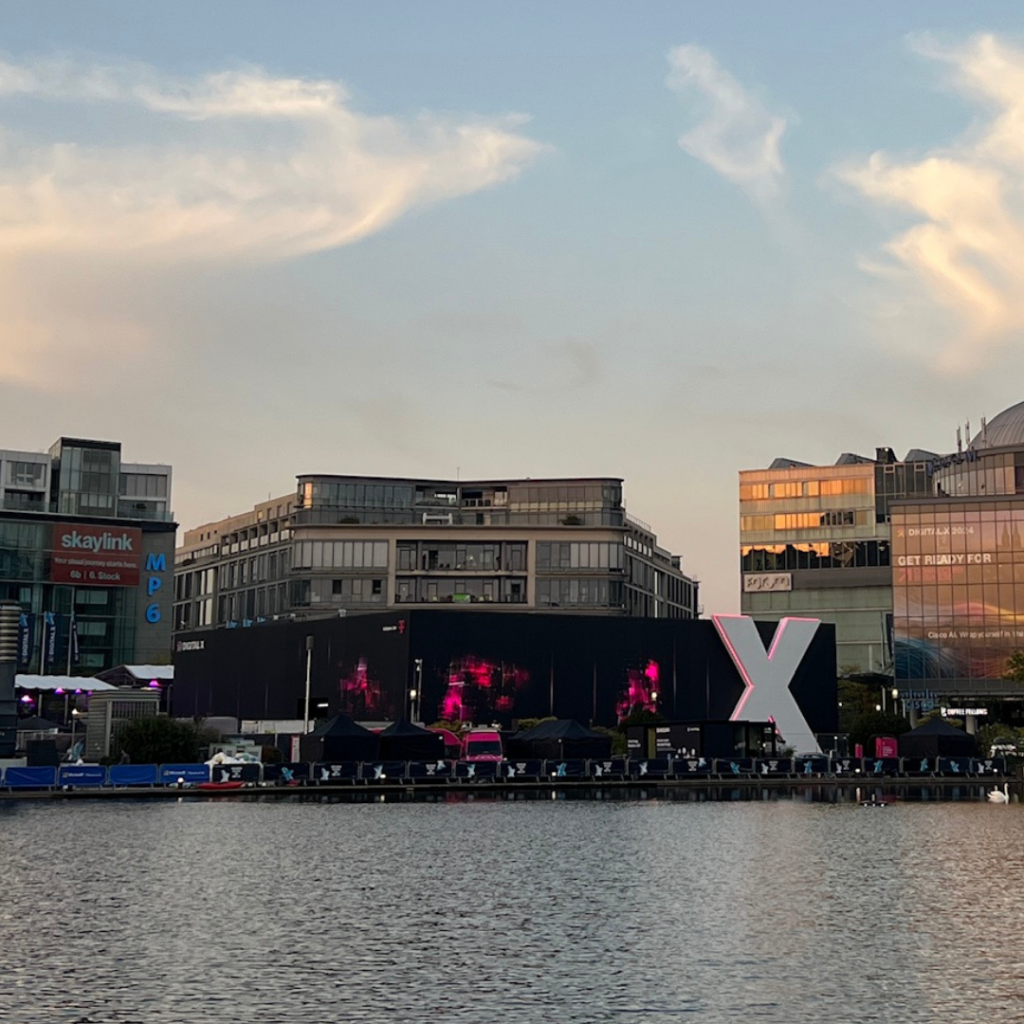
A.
x: 878, y: 801
x: 235, y: 784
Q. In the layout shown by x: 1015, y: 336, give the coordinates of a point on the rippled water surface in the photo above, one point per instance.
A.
x: 502, y: 911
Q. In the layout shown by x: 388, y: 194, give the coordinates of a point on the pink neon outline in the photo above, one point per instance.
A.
x: 738, y: 662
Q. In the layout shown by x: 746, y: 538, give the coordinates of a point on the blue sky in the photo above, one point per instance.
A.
x: 660, y: 241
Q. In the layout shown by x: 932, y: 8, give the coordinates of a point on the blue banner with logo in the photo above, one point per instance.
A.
x: 82, y: 775
x: 49, y: 641
x: 26, y: 632
x: 73, y: 642
x: 171, y: 774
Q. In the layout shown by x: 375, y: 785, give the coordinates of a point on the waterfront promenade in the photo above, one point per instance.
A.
x: 612, y: 777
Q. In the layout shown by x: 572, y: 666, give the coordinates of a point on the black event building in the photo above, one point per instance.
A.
x: 479, y: 667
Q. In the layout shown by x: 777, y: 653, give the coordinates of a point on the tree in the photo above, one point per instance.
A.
x: 529, y: 723
x: 855, y: 700
x: 1013, y: 670
x: 640, y: 716
x: 618, y: 739
x: 157, y: 739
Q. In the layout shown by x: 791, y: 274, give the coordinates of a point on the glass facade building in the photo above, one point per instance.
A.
x: 360, y: 544
x: 815, y: 542
x: 86, y: 549
x: 919, y: 562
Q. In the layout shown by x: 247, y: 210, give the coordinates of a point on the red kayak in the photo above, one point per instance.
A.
x: 220, y: 785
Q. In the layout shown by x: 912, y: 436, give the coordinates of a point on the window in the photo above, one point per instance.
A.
x: 26, y: 474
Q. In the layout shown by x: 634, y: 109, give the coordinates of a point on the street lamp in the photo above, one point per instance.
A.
x: 309, y: 662
x: 417, y: 690
x: 75, y: 713
x: 412, y: 705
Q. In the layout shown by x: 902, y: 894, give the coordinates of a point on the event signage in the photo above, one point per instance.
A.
x: 767, y: 674
x: 156, y: 566
x: 95, y: 556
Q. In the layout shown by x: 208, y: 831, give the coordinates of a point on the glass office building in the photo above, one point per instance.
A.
x: 345, y: 544
x: 958, y: 568
x: 918, y: 562
x: 815, y: 542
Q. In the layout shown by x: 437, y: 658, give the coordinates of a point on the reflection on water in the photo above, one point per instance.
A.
x: 510, y: 911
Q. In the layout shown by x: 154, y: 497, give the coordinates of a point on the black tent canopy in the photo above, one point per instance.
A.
x: 403, y: 741
x: 339, y: 739
x: 937, y: 738
x: 561, y: 737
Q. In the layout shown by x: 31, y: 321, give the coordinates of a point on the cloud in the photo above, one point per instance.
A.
x: 232, y: 167
x: 965, y: 254
x: 738, y: 137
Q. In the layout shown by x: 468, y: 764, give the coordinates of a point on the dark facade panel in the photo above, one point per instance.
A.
x: 484, y: 668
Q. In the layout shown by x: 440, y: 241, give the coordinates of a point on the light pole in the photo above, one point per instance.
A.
x: 74, y: 721
x: 418, y: 690
x: 309, y: 663
x: 412, y: 705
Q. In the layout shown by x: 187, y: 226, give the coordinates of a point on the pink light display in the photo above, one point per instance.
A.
x: 476, y: 687
x: 362, y: 695
x: 639, y: 691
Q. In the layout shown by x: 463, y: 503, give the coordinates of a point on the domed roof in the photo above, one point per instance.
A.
x: 1006, y: 429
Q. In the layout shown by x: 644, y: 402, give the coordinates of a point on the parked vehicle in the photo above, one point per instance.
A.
x: 482, y: 745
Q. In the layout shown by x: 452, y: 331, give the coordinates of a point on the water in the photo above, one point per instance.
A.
x: 517, y: 912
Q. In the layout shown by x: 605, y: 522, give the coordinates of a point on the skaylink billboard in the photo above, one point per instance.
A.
x: 95, y: 556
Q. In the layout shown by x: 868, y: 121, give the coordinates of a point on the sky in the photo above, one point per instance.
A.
x: 661, y: 241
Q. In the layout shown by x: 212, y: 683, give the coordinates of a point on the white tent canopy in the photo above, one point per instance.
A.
x: 70, y: 683
x: 137, y: 675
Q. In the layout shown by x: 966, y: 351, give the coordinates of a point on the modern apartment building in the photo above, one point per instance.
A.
x: 86, y: 549
x: 349, y: 544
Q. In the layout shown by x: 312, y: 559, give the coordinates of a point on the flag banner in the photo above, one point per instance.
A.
x: 26, y: 624
x: 49, y: 641
x: 73, y: 642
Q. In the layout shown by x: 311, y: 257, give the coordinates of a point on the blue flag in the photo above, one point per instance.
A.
x: 25, y: 631
x: 73, y: 642
x: 49, y: 641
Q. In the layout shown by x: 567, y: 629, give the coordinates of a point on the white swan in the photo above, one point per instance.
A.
x: 996, y: 796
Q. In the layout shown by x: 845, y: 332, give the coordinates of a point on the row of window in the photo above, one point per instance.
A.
x: 805, y: 488
x: 195, y: 584
x: 579, y: 593
x: 541, y: 496
x: 446, y: 590
x: 580, y: 555
x: 26, y: 474
x: 348, y: 591
x: 269, y: 566
x: 805, y: 520
x: 253, y: 604
x: 144, y: 485
x: 353, y: 495
x: 340, y: 554
x: 427, y: 556
x: 833, y: 555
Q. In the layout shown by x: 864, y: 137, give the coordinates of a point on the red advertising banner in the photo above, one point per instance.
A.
x: 95, y: 556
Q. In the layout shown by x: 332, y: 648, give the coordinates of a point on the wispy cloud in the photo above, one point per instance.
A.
x: 248, y: 167
x: 738, y: 137
x: 966, y: 253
